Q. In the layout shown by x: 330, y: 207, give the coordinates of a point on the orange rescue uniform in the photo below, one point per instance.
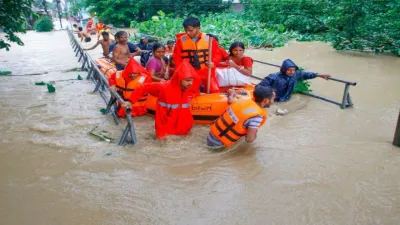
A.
x: 229, y: 127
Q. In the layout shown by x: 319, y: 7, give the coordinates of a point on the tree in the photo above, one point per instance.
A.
x: 12, y: 20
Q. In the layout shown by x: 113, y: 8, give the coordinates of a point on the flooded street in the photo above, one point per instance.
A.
x: 317, y: 165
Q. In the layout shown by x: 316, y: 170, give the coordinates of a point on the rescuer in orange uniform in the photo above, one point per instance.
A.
x: 126, y: 81
x: 194, y: 46
x: 242, y: 118
x: 173, y: 115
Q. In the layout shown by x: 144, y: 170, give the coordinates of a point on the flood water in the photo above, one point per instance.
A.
x: 317, y: 165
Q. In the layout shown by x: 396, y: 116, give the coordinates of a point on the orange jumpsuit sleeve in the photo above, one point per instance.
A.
x: 148, y: 88
x: 113, y: 79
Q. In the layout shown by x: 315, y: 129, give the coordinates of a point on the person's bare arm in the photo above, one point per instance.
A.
x: 245, y: 71
x: 93, y: 47
x: 117, y: 52
x: 153, y: 76
x: 231, y: 95
x: 251, y: 134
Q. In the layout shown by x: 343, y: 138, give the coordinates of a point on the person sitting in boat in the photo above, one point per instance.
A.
x: 156, y: 65
x: 236, y: 69
x: 283, y: 82
x: 84, y: 36
x: 242, y: 118
x: 169, y: 48
x: 144, y: 43
x: 105, y: 44
x: 238, y: 60
x: 194, y: 45
x: 121, y: 51
x: 174, y: 97
x: 133, y: 49
x: 126, y: 81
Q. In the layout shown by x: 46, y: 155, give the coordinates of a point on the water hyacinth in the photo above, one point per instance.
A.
x: 228, y: 27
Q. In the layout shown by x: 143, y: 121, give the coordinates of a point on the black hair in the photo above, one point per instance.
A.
x: 74, y: 25
x: 157, y: 46
x: 213, y: 36
x: 234, y: 45
x: 262, y: 92
x: 80, y: 28
x: 170, y: 42
x: 104, y: 33
x: 120, y: 33
x: 191, y: 22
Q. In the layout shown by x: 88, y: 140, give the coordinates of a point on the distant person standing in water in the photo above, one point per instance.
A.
x: 84, y: 36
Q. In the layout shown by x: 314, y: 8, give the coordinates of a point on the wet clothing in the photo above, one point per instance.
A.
x: 88, y: 39
x: 159, y: 67
x: 147, y: 46
x: 283, y: 84
x: 187, y: 47
x: 119, y: 66
x: 232, y: 125
x: 125, y: 85
x: 253, y: 122
x: 173, y: 115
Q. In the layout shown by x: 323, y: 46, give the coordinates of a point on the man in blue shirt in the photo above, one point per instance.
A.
x: 283, y: 82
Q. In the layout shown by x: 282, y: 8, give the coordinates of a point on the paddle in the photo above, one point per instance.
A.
x: 209, y: 61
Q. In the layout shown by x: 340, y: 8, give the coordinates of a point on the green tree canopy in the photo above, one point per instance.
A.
x: 12, y: 20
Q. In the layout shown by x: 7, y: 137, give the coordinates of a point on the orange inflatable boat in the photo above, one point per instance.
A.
x: 205, y: 108
x: 107, y: 66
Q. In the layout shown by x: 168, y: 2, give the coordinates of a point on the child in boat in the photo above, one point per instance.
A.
x: 156, y: 65
x: 283, y: 82
x: 169, y: 48
x: 242, y: 118
x: 84, y: 35
x: 105, y: 44
x: 121, y: 38
x: 121, y: 51
x: 174, y: 97
x: 194, y: 45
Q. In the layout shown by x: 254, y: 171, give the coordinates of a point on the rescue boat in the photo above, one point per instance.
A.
x: 106, y: 65
x: 205, y: 108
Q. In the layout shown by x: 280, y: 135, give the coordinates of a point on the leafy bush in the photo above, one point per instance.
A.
x: 12, y: 20
x: 44, y: 24
x: 348, y: 25
x: 228, y: 27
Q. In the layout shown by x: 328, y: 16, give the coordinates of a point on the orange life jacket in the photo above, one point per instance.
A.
x: 229, y: 128
x: 196, y: 52
x: 125, y: 89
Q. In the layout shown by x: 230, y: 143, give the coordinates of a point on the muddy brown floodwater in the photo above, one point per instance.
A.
x: 317, y: 165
